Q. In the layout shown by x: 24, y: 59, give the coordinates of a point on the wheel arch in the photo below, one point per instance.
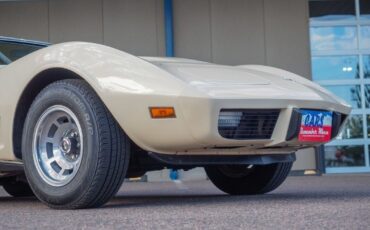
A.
x: 32, y: 89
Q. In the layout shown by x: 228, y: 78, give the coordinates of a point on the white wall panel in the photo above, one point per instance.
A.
x: 72, y: 20
x: 24, y: 19
x: 134, y: 26
x: 287, y: 35
x: 237, y: 32
x: 192, y: 29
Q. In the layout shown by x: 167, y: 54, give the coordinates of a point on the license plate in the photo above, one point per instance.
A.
x: 315, y: 126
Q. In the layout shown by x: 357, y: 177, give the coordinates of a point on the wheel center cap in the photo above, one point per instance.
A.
x: 66, y: 145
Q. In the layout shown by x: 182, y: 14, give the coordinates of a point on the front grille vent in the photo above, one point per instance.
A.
x: 247, y: 124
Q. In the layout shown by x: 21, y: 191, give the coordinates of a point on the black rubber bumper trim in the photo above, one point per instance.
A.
x: 338, y: 120
x: 201, y: 160
x: 294, y: 125
x: 11, y: 167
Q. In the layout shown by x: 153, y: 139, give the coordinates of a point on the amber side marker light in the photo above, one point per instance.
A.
x: 162, y: 112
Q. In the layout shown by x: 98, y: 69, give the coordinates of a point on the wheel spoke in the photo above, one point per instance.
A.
x: 63, y: 163
x: 61, y: 172
x: 49, y: 161
x: 52, y: 141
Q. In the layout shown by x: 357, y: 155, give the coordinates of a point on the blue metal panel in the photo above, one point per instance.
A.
x: 168, y: 25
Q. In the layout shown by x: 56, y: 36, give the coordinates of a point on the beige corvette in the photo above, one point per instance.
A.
x: 78, y: 118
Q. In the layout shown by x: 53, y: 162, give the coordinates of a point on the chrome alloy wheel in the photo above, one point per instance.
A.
x: 57, y: 145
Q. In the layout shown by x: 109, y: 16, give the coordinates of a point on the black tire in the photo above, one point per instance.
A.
x: 18, y: 189
x: 241, y: 180
x: 106, y: 148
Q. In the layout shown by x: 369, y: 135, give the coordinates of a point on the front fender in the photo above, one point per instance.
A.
x: 126, y: 84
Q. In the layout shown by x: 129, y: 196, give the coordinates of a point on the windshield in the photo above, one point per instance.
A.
x: 11, y: 50
x: 4, y: 60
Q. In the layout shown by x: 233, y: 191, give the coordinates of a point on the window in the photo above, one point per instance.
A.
x: 353, y: 128
x: 12, y: 50
x: 333, y: 38
x: 321, y: 10
x: 340, y: 48
x: 350, y: 93
x: 365, y: 9
x: 344, y: 156
x: 4, y: 60
x: 367, y: 96
x: 366, y: 65
x: 335, y: 68
x: 365, y: 37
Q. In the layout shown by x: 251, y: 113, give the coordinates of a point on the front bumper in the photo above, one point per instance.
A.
x: 195, y: 129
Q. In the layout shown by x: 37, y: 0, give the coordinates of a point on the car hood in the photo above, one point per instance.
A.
x: 203, y: 74
x: 219, y: 81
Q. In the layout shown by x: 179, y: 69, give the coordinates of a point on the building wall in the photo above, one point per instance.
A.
x: 267, y: 32
x: 24, y: 19
x: 272, y: 32
x: 133, y: 26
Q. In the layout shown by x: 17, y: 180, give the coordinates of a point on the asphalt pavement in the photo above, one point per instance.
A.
x: 312, y: 202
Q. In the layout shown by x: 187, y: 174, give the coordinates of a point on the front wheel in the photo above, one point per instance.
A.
x: 248, y: 179
x: 74, y: 152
